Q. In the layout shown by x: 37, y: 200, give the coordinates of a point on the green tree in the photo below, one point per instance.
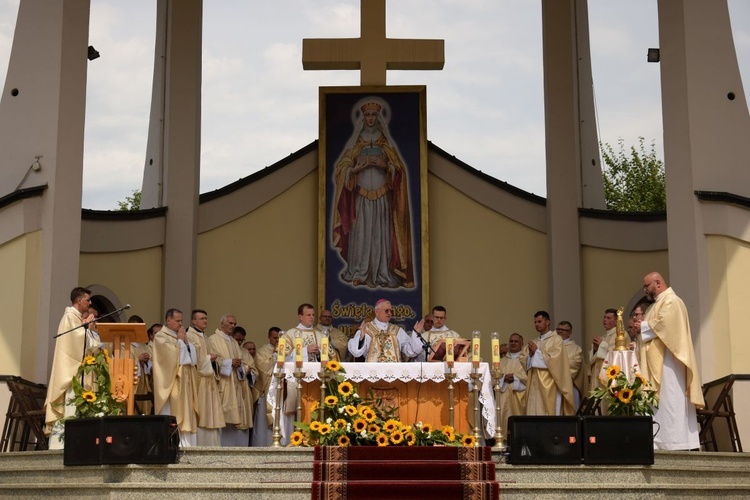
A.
x: 633, y: 180
x: 131, y: 202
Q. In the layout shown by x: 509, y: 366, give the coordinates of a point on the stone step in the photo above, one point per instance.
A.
x: 157, y: 491
x: 626, y: 491
x: 300, y: 491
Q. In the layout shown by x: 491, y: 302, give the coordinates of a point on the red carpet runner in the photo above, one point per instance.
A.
x: 400, y: 472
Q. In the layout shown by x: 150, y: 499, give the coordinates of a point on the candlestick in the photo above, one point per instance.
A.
x: 495, y: 350
x: 449, y: 351
x: 281, y: 348
x: 475, y: 348
x: 298, y: 350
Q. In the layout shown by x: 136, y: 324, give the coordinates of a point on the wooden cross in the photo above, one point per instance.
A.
x: 372, y: 53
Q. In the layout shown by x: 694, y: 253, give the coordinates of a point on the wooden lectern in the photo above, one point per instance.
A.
x: 121, y: 364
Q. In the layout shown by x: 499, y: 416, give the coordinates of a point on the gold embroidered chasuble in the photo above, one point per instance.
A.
x: 208, y: 399
x: 577, y: 370
x: 384, y: 345
x: 668, y: 319
x: 67, y: 358
x: 512, y: 402
x: 174, y: 382
x: 237, y: 411
x: 265, y: 361
x: 545, y: 383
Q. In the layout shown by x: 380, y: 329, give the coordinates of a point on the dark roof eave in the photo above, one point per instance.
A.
x: 21, y: 194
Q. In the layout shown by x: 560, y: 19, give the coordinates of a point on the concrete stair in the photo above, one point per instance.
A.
x: 267, y: 473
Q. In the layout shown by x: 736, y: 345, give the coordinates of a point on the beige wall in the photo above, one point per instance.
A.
x: 729, y: 268
x: 610, y: 279
x: 262, y: 265
x: 134, y: 277
x: 488, y: 271
x: 19, y: 303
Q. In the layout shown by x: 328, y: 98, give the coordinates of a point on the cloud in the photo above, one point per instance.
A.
x: 258, y: 105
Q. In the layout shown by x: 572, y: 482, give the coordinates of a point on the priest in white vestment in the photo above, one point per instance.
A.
x: 575, y: 360
x: 265, y: 362
x: 234, y: 372
x: 667, y: 360
x: 208, y: 400
x: 175, y: 359
x: 549, y: 388
x: 67, y: 358
x: 383, y: 341
x: 436, y: 335
x: 512, y: 399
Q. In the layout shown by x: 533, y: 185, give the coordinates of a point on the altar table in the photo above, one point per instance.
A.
x: 419, y: 390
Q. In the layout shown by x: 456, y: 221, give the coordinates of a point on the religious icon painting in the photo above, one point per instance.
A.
x: 373, y: 198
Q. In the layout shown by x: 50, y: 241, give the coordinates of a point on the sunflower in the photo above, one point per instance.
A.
x: 89, y: 360
x: 331, y: 400
x: 89, y: 396
x: 625, y: 395
x: 373, y: 429
x: 360, y: 424
x: 339, y: 424
x: 390, y: 426
x: 397, y: 437
x: 468, y: 440
x: 314, y: 406
x: 410, y: 438
x: 296, y: 438
x: 450, y: 434
x: 368, y: 414
x: 346, y: 389
x: 426, y: 428
x: 447, y: 428
x: 382, y: 440
x: 325, y: 429
x: 344, y: 440
x: 640, y: 377
x: 613, y: 371
x: 350, y: 410
x: 315, y: 426
x: 333, y: 366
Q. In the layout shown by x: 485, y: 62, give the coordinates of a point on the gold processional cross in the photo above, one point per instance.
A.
x: 372, y: 53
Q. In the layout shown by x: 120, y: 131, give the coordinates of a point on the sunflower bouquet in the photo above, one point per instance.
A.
x: 346, y: 419
x: 625, y: 398
x: 95, y: 399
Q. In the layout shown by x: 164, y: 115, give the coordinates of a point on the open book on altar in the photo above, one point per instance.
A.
x: 460, y: 350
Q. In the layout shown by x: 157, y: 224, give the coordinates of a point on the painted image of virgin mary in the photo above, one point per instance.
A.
x: 371, y: 217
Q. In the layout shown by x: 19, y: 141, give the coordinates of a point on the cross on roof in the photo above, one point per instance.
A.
x: 372, y: 53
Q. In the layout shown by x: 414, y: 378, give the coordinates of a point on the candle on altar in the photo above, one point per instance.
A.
x: 475, y: 348
x: 281, y: 348
x: 324, y: 351
x: 495, y: 350
x: 298, y: 350
x: 449, y: 351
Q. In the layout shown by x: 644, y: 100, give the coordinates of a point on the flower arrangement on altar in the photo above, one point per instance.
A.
x: 97, y: 399
x: 346, y: 419
x: 625, y: 398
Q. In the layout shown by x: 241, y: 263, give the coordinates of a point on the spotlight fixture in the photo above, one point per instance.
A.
x: 93, y: 53
x: 653, y: 56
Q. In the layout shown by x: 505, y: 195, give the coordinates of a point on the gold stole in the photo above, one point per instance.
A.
x: 384, y: 347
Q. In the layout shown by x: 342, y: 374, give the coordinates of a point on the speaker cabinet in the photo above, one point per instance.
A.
x: 618, y: 440
x: 121, y: 440
x: 535, y: 440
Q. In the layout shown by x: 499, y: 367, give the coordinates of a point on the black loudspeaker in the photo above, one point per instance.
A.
x: 618, y: 440
x: 535, y: 440
x: 121, y: 440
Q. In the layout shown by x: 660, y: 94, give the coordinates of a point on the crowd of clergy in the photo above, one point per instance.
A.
x: 216, y: 384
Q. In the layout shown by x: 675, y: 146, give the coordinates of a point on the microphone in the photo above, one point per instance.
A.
x: 419, y: 336
x: 127, y: 306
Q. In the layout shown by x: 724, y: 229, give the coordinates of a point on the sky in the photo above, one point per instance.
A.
x: 486, y: 107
